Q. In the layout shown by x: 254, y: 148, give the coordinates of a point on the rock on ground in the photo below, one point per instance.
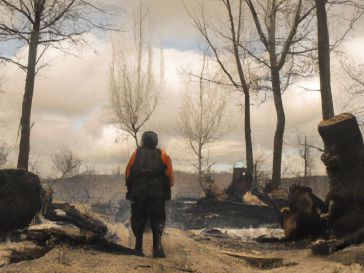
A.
x: 21, y: 195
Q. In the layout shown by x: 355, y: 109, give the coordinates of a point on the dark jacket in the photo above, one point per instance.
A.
x: 149, y: 175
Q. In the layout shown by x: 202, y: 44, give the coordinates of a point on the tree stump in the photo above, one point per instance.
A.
x: 241, y: 184
x: 21, y: 196
x: 344, y: 160
x: 302, y: 219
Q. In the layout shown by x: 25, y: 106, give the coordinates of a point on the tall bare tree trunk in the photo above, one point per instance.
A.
x: 248, y: 136
x: 24, y: 146
x: 199, y: 167
x: 246, y: 89
x: 279, y: 134
x: 305, y: 156
x: 324, y: 60
x: 278, y: 103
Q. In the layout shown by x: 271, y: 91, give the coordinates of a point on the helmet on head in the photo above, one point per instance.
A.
x: 149, y: 140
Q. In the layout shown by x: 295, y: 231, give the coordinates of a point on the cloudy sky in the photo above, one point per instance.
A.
x: 70, y: 107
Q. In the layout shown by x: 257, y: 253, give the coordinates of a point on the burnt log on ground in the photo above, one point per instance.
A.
x: 21, y: 196
x: 21, y: 251
x: 66, y: 213
x: 50, y: 234
x: 279, y: 197
x: 36, y: 240
x: 72, y: 228
x: 21, y: 199
x: 59, y: 233
x: 322, y: 247
x: 276, y: 199
x: 64, y: 223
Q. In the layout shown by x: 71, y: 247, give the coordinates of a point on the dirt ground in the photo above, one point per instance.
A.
x: 189, y: 252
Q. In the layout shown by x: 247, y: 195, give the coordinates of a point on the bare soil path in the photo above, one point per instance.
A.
x: 190, y: 253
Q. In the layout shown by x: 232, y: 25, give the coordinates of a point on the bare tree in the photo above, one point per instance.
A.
x: 65, y: 163
x: 134, y: 92
x: 353, y: 84
x: 231, y: 58
x: 305, y: 154
x: 4, y: 153
x: 325, y: 48
x: 40, y: 24
x: 278, y: 27
x: 34, y: 164
x: 324, y: 60
x: 201, y: 117
x: 355, y: 74
x: 260, y: 173
x: 90, y: 170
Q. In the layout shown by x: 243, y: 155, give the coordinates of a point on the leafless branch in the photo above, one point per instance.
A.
x: 134, y: 92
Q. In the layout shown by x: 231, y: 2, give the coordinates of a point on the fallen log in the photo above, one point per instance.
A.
x: 326, y: 247
x: 43, y: 232
x: 66, y: 213
x: 53, y: 233
x: 21, y: 251
x: 21, y: 199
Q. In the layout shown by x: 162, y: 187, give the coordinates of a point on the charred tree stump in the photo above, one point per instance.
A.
x: 344, y: 160
x: 241, y: 184
x: 302, y: 219
x: 21, y: 196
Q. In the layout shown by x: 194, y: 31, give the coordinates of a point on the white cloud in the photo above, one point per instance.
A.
x: 71, y: 97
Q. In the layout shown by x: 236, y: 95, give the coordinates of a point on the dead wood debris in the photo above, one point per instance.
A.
x: 61, y: 224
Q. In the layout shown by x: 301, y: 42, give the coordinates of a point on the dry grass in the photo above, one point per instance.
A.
x: 354, y: 268
x: 62, y: 256
x: 251, y: 199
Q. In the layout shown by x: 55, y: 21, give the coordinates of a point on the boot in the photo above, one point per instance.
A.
x: 158, y: 251
x: 139, y: 246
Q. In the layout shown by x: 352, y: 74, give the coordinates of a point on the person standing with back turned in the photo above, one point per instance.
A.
x: 149, y: 178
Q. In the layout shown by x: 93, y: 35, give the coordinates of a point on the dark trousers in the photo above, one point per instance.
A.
x: 144, y: 210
